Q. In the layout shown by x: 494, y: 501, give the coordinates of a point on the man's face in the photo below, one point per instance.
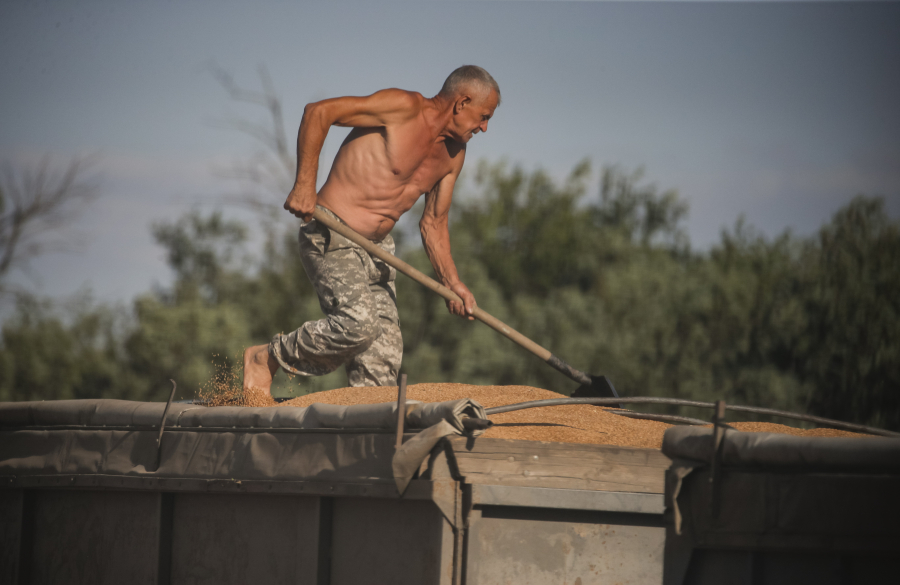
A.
x: 472, y: 115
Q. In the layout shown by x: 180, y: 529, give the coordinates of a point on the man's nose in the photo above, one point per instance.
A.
x: 483, y: 126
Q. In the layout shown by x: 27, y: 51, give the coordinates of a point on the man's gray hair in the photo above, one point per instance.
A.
x: 469, y: 75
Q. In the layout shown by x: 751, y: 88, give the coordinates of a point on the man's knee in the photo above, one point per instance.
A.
x: 360, y: 334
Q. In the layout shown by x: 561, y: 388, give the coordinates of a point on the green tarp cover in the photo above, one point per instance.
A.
x: 771, y: 449
x: 786, y: 462
x: 274, y: 443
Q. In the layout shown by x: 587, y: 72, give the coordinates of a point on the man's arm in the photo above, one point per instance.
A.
x: 434, y: 227
x: 389, y: 106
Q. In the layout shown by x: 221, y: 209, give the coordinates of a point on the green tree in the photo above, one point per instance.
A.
x: 43, y: 357
x: 608, y: 281
x: 852, y: 356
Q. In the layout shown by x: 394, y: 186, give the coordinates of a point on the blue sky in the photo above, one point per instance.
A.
x: 778, y: 111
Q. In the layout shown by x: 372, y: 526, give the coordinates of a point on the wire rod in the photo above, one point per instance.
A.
x: 595, y: 402
x: 663, y: 417
x: 180, y: 429
x: 162, y: 422
x: 695, y: 403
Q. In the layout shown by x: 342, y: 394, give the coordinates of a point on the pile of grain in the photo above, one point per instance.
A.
x: 566, y: 424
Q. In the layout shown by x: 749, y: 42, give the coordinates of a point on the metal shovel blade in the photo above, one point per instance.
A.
x: 600, y: 387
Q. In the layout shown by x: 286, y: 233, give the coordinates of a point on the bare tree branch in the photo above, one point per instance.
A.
x: 35, y: 202
x: 267, y: 176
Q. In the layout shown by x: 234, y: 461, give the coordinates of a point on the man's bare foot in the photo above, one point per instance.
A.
x: 259, y: 368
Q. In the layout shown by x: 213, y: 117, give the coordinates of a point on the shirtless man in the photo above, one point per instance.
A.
x: 402, y: 146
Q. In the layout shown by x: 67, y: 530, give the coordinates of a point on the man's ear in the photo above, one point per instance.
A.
x: 463, y: 102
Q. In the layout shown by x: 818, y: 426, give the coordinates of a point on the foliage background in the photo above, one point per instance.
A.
x: 601, y: 274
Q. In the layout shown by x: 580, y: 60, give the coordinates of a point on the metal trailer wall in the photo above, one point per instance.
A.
x: 67, y: 535
x: 106, y: 536
x: 520, y: 544
x: 480, y: 510
x: 782, y: 510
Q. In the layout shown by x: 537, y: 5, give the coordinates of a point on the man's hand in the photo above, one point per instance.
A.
x: 466, y: 295
x: 301, y: 202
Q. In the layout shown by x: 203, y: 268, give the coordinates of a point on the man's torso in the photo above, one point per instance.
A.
x: 379, y: 173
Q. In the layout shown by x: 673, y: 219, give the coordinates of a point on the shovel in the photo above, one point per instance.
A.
x: 591, y: 386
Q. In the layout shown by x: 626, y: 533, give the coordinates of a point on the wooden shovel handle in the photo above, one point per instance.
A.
x: 483, y: 316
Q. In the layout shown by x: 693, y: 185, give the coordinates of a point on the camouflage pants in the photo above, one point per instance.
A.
x: 361, y: 327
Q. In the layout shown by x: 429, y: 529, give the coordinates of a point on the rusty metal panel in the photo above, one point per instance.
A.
x: 11, y: 502
x: 533, y: 546
x: 94, y: 537
x: 400, y: 542
x: 243, y: 538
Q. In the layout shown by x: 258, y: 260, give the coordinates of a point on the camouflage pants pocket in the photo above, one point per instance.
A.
x: 361, y: 328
